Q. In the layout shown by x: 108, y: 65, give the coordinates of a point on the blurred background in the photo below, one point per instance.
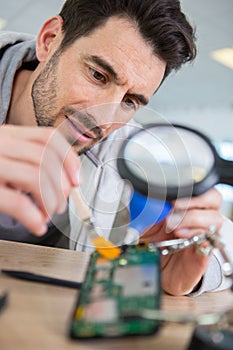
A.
x: 200, y: 95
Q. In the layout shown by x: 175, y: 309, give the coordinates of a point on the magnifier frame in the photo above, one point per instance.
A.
x: 169, y: 193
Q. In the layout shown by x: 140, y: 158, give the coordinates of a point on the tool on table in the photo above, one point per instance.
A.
x: 33, y: 277
x: 3, y: 299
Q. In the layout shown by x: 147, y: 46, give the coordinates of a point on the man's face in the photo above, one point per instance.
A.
x: 97, y: 84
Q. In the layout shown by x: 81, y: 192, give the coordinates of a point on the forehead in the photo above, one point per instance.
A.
x: 119, y: 42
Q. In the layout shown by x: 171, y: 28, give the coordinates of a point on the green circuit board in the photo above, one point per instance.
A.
x: 114, y: 291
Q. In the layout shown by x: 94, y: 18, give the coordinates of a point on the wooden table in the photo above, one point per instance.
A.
x: 38, y: 315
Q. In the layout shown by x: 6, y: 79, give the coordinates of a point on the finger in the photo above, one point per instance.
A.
x: 66, y: 154
x: 24, y: 150
x: 42, y: 148
x: 183, y: 221
x: 13, y: 136
x: 41, y: 158
x: 29, y: 179
x: 20, y: 207
x: 56, y: 177
x: 211, y: 199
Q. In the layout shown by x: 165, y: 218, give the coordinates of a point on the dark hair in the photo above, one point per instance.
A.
x: 161, y: 23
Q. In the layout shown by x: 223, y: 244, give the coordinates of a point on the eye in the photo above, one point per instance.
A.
x: 99, y: 77
x: 130, y: 103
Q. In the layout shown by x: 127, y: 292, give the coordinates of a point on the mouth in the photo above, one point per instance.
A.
x: 79, y: 131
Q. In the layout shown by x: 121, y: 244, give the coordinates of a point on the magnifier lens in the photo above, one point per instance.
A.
x: 169, y: 156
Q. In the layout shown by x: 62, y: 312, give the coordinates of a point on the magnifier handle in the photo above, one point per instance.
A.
x: 225, y: 169
x: 146, y: 211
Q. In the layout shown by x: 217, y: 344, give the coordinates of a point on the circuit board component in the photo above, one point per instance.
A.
x: 114, y: 290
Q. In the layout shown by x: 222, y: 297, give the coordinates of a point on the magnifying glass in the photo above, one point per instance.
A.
x: 168, y: 162
x: 164, y: 162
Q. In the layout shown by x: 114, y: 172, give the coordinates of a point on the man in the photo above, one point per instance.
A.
x: 88, y: 72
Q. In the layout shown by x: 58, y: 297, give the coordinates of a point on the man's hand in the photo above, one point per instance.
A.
x: 181, y: 271
x: 37, y: 170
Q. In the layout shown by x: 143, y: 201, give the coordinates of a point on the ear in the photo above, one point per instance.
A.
x: 49, y: 37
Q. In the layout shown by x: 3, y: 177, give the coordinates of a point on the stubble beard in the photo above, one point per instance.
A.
x: 44, y: 97
x: 44, y: 93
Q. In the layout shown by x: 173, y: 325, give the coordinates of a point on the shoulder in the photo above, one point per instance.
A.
x: 11, y: 38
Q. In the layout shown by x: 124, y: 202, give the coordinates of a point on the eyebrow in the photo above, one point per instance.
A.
x: 108, y: 68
